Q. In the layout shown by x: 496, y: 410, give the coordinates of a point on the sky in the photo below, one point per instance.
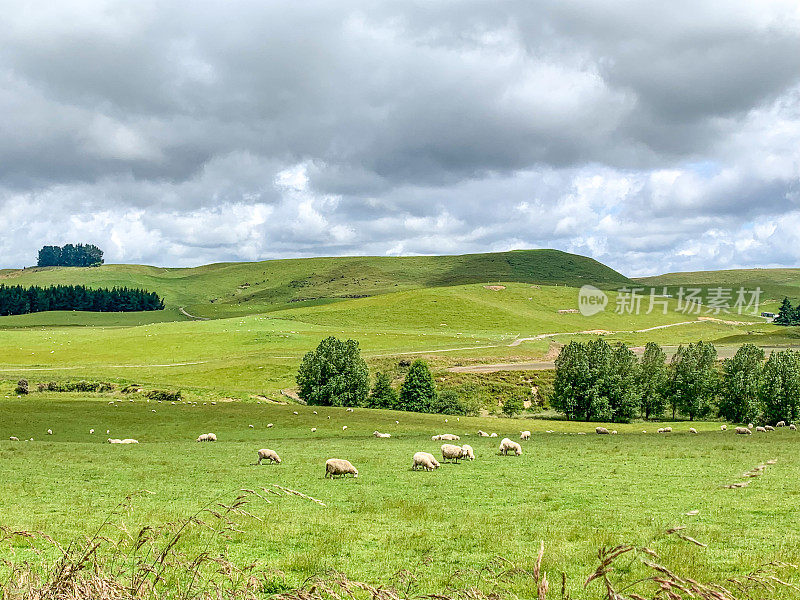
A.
x: 652, y: 136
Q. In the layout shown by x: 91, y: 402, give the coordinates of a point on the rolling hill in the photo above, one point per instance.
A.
x: 231, y: 289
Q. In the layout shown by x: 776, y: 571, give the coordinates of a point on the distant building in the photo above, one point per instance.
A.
x: 768, y: 315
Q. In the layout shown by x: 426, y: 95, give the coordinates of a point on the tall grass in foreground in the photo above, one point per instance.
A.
x: 115, y: 564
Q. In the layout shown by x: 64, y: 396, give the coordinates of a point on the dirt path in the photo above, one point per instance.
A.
x: 186, y: 314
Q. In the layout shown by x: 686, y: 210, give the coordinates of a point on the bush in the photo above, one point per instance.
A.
x: 77, y: 386
x: 164, y: 395
x: 513, y: 406
x: 451, y: 402
x: 22, y: 387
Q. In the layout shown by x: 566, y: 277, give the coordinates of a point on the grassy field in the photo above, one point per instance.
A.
x: 575, y: 492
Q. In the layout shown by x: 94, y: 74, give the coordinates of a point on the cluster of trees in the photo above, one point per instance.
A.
x: 335, y: 374
x: 788, y: 314
x: 597, y: 382
x: 71, y: 255
x: 18, y: 300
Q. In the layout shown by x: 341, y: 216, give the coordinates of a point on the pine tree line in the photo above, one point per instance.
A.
x: 70, y: 255
x: 18, y: 300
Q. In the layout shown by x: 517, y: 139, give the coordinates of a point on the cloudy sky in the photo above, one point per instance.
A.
x: 653, y: 136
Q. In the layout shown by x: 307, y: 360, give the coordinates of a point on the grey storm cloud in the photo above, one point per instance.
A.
x: 180, y: 133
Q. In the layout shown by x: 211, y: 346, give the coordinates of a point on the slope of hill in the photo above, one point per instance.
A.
x: 774, y: 283
x: 229, y: 289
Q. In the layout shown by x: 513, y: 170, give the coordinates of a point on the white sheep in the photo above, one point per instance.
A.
x: 507, y: 445
x: 445, y: 437
x: 251, y: 426
x: 750, y: 425
x: 203, y: 437
x: 614, y: 432
x: 339, y: 467
x: 294, y: 412
x: 524, y: 435
x: 761, y: 429
x: 493, y: 434
x: 769, y: 428
x: 129, y: 441
x: 723, y: 428
x: 212, y: 437
x: 451, y: 452
x: 467, y: 452
x: 14, y: 438
x: 482, y: 433
x: 601, y: 431
x: 378, y: 434
x: 692, y: 430
x: 315, y: 412
x: 743, y: 430
x: 269, y: 425
x: 349, y: 410
x: 91, y: 431
x: 114, y: 441
x: 313, y: 430
x: 793, y: 427
x: 344, y: 427
x: 270, y: 455
x: 425, y: 460
x: 49, y: 432
x: 780, y: 424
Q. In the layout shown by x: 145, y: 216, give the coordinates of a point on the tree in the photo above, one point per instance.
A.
x: 513, y: 406
x: 383, y: 394
x: 651, y: 381
x: 70, y: 255
x: 741, y: 377
x: 334, y: 374
x: 49, y: 256
x: 418, y: 392
x: 779, y: 393
x: 620, y: 385
x: 571, y: 387
x: 693, y: 380
x: 787, y: 315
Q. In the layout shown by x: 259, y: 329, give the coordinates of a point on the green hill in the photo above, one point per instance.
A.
x: 774, y: 283
x: 230, y: 289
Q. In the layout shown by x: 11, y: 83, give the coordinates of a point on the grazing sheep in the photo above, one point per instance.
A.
x: 445, y: 437
x: 203, y: 437
x: 294, y: 412
x: 344, y: 427
x: 614, y: 432
x: 723, y: 428
x: 270, y: 425
x: 761, y: 429
x: 339, y: 467
x: 507, y: 445
x: 114, y: 441
x: 313, y: 430
x: 524, y: 435
x: 493, y: 434
x: 743, y: 430
x: 349, y: 410
x: 692, y: 430
x: 451, y: 452
x: 665, y: 430
x: 212, y: 437
x: 793, y: 427
x: 378, y: 434
x: 601, y: 431
x: 769, y: 428
x: 467, y: 452
x: 91, y: 431
x: 129, y: 441
x: 750, y: 425
x: 270, y: 455
x: 49, y: 432
x: 482, y: 433
x: 315, y: 412
x: 426, y: 460
x: 251, y: 426
x: 780, y: 424
x: 396, y: 422
x: 14, y: 438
